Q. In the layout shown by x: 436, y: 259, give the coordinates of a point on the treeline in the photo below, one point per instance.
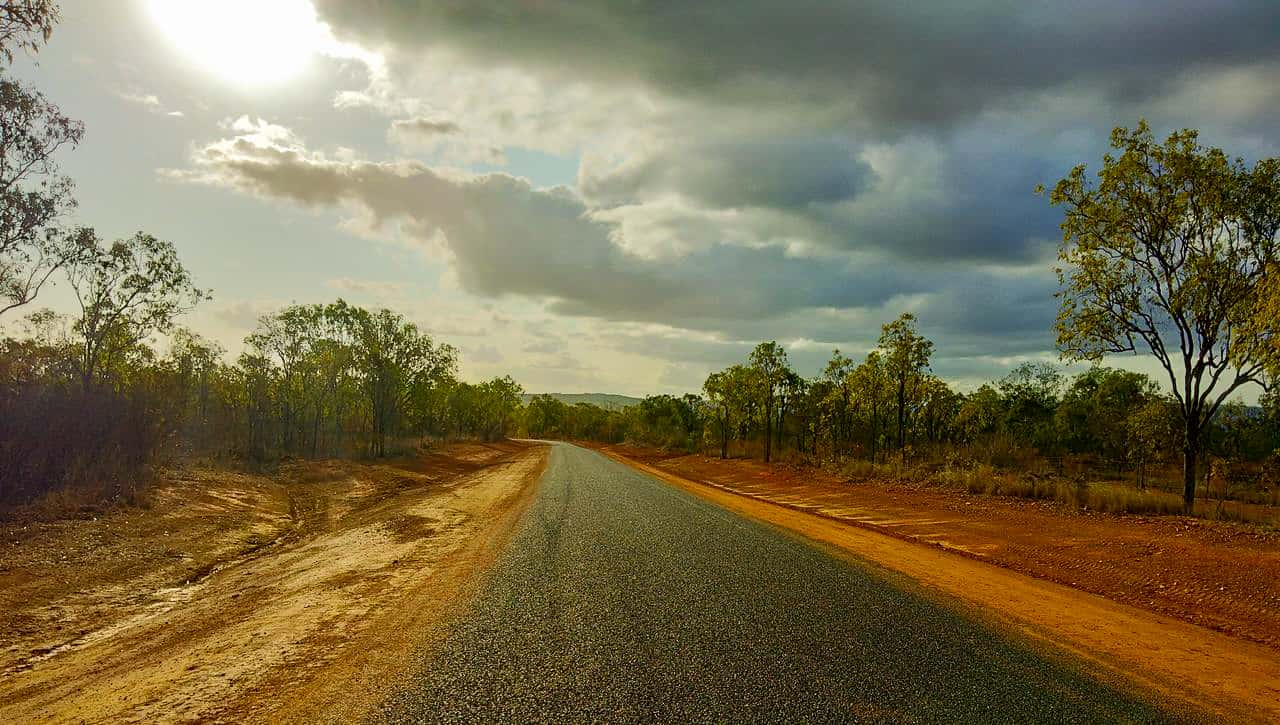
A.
x: 336, y: 380
x: 889, y: 407
x: 91, y: 409
x: 663, y: 421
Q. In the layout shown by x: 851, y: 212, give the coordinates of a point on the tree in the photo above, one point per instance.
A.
x: 1262, y: 322
x: 731, y: 393
x: 25, y: 25
x: 34, y: 196
x: 816, y: 411
x: 790, y: 389
x: 1165, y: 253
x: 500, y: 399
x: 906, y: 357
x: 718, y: 395
x: 769, y: 359
x: 545, y: 417
x: 127, y: 291
x: 1029, y: 394
x: 980, y: 413
x: 394, y: 359
x: 837, y: 373
x: 1093, y: 412
x: 870, y: 383
x: 1151, y: 430
x: 286, y: 337
x: 195, y: 362
x: 939, y: 405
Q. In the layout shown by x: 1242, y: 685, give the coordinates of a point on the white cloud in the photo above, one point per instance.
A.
x: 149, y: 101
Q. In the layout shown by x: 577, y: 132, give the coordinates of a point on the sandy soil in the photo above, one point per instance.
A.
x: 239, y: 597
x: 983, y: 552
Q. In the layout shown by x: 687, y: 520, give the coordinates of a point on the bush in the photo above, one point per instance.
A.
x: 92, y: 446
x: 1001, y: 450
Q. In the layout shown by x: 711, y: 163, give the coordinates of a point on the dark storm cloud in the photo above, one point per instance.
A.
x: 887, y: 61
x: 780, y: 107
x: 767, y: 172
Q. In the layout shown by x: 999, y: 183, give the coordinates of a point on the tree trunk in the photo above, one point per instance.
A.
x: 724, y: 437
x: 902, y: 418
x: 768, y: 430
x: 782, y: 417
x: 875, y: 434
x: 1190, y: 452
x: 315, y: 435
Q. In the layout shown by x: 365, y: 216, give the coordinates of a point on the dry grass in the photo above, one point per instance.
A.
x: 1042, y: 483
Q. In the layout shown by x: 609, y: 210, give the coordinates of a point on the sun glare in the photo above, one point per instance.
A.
x: 247, y: 42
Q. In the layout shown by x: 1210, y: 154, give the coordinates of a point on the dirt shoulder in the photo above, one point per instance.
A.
x: 241, y: 597
x: 1045, y: 571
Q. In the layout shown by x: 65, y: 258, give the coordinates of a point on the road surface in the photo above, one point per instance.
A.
x: 621, y: 598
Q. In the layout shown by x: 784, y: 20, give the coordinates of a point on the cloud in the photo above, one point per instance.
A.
x: 147, y: 100
x: 544, y: 346
x: 423, y: 128
x: 243, y: 315
x: 802, y: 170
x: 150, y: 102
x: 483, y: 354
x: 888, y: 65
x: 368, y: 288
x: 505, y: 237
x: 777, y: 173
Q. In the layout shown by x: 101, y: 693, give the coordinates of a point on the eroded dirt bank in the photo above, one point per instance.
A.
x: 1237, y: 679
x: 240, y: 597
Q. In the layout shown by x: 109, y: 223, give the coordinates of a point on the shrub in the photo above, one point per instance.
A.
x: 92, y: 446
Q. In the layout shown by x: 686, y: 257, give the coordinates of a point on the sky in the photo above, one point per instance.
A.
x: 621, y: 197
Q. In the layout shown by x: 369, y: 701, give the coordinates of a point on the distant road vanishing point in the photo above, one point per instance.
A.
x: 621, y: 598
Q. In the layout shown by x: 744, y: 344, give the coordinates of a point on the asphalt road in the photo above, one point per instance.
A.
x: 621, y: 598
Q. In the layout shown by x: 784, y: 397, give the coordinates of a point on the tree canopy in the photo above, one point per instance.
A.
x: 1166, y: 253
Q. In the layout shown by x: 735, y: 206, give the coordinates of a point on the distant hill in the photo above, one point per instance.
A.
x: 607, y: 401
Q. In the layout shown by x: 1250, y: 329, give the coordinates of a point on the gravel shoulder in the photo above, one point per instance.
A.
x: 982, y: 565
x: 239, y: 597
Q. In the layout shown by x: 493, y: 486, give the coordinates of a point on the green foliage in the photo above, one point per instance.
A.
x: 608, y: 401
x: 339, y: 373
x: 906, y: 358
x: 127, y: 291
x: 1093, y: 413
x: 489, y: 411
x: 980, y: 414
x: 769, y: 360
x: 1168, y: 252
x: 662, y: 421
x: 666, y: 421
x: 1151, y: 433
x: 34, y: 195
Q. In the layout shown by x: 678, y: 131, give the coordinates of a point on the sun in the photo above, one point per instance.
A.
x: 245, y: 42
